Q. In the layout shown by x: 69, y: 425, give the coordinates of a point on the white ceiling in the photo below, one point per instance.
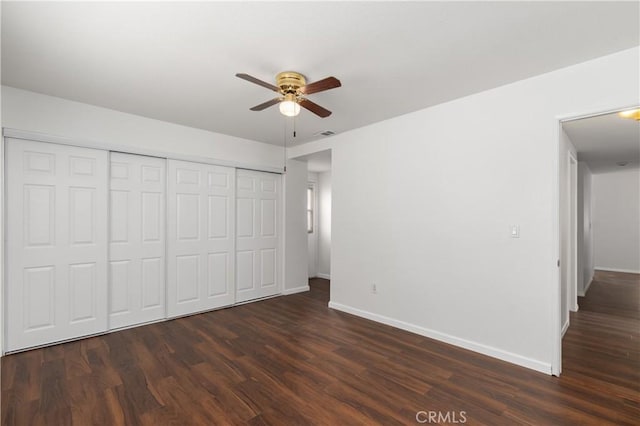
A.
x: 606, y: 140
x: 176, y: 61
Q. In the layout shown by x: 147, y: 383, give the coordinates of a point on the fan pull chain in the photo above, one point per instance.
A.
x: 284, y: 146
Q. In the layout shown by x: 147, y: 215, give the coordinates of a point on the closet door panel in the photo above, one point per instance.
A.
x: 137, y: 239
x: 153, y: 284
x: 259, y: 235
x: 57, y: 242
x: 201, y: 244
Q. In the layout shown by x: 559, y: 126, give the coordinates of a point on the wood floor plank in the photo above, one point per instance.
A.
x: 292, y: 361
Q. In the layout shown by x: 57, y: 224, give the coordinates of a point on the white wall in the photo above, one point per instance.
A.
x: 312, y: 238
x: 585, y: 236
x: 616, y: 220
x: 296, y: 227
x: 53, y: 116
x: 324, y: 225
x: 422, y: 206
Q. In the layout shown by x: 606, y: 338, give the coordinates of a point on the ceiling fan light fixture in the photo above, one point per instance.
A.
x: 293, y: 89
x: 633, y: 114
x: 289, y: 106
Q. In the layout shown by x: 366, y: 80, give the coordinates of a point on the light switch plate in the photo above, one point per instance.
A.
x: 515, y: 231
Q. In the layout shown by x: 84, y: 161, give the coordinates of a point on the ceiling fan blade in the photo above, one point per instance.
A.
x: 258, y: 82
x: 265, y: 105
x: 321, y: 85
x: 314, y: 108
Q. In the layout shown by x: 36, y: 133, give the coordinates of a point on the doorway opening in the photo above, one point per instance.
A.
x: 598, y: 207
x: 319, y: 218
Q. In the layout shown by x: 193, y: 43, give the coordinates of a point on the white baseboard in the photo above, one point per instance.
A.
x: 583, y: 293
x: 443, y: 337
x: 565, y: 327
x: 586, y: 289
x: 628, y: 271
x: 325, y: 276
x: 295, y: 290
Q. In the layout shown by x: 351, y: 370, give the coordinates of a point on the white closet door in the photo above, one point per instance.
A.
x: 136, y: 240
x: 258, y: 249
x: 201, y: 238
x: 56, y: 242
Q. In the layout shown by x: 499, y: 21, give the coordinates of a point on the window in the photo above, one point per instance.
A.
x: 310, y: 208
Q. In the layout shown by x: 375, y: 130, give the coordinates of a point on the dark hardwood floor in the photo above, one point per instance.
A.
x: 291, y: 360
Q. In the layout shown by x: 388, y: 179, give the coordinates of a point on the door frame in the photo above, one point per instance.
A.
x: 572, y: 247
x: 556, y: 297
x: 3, y: 271
x: 313, y: 185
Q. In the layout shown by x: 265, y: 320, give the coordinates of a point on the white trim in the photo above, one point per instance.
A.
x: 282, y: 244
x: 127, y: 149
x: 573, y: 116
x: 626, y: 271
x: 443, y: 337
x: 325, y: 276
x: 315, y: 235
x: 556, y: 291
x: 586, y: 289
x: 3, y: 280
x: 572, y: 258
x: 259, y: 299
x: 290, y: 291
x: 565, y: 327
x: 583, y: 292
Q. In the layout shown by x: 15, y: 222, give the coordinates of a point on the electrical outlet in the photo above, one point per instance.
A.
x: 374, y: 289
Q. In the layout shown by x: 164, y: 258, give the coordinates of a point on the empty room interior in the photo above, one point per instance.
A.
x: 291, y: 213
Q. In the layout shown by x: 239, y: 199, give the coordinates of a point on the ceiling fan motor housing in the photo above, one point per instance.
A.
x: 290, y: 81
x: 292, y: 88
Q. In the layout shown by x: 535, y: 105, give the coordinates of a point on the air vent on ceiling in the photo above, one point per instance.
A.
x: 325, y: 133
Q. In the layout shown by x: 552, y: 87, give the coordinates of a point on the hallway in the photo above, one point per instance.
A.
x: 601, y: 349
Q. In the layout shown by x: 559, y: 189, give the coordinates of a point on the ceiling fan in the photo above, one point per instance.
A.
x: 292, y: 88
